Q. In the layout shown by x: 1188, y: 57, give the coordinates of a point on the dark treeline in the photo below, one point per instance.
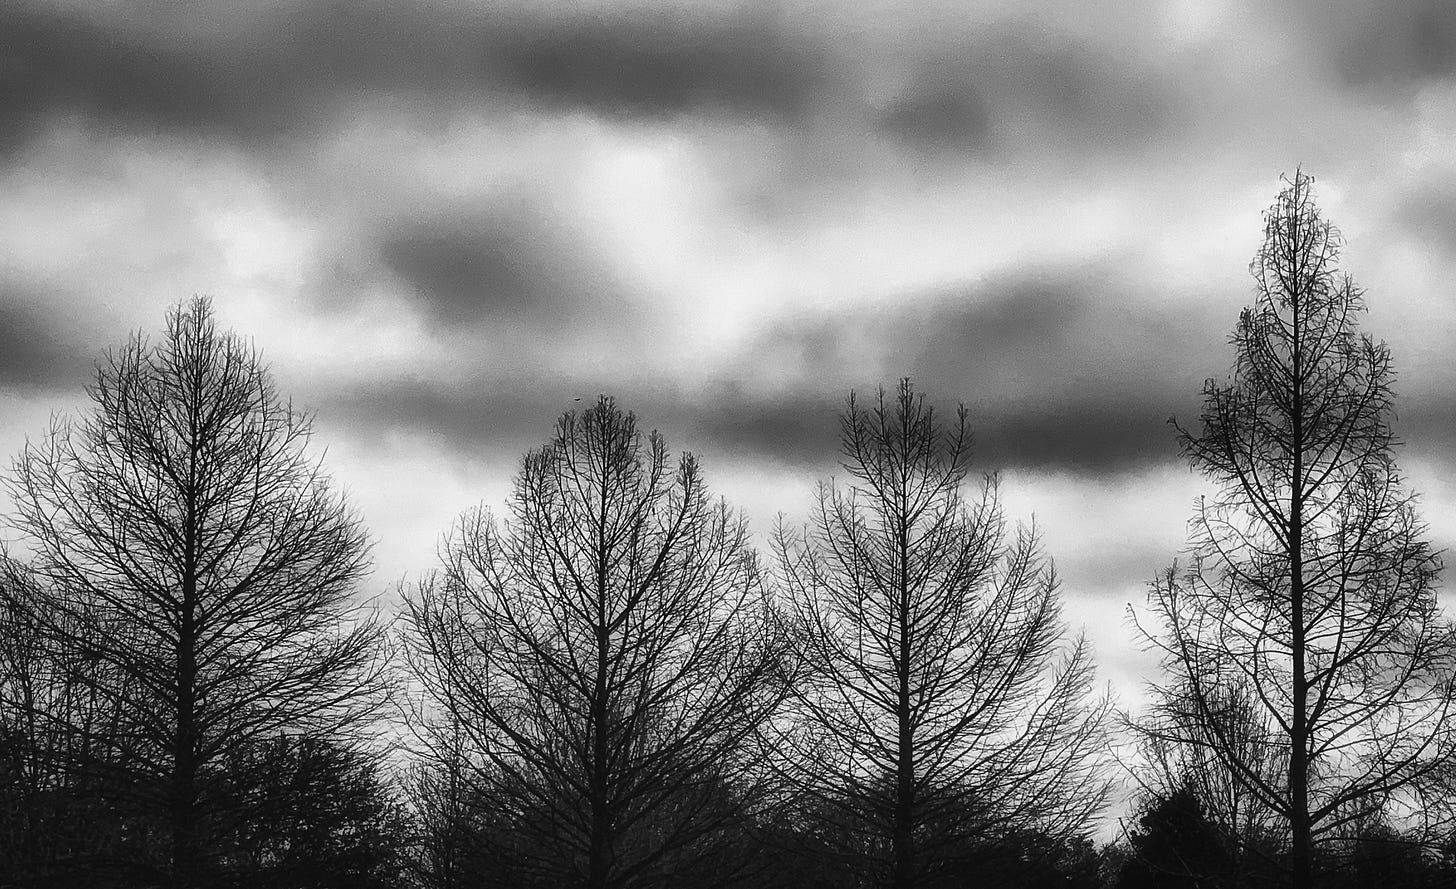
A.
x: 606, y: 684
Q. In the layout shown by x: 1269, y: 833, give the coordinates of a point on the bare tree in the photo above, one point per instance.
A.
x: 603, y: 656
x: 186, y: 546
x: 1309, y: 595
x: 938, y: 709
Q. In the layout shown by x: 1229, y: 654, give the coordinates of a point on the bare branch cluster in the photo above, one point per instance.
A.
x: 937, y: 708
x: 197, y: 573
x: 608, y: 691
x: 604, y: 655
x: 1309, y: 601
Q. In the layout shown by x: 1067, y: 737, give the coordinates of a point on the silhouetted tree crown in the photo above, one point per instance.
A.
x: 937, y: 709
x: 596, y: 665
x: 1309, y: 596
x: 188, y: 549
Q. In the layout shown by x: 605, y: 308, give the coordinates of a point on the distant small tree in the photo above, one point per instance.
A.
x: 1166, y: 770
x: 937, y: 709
x: 1174, y: 844
x: 186, y: 547
x: 1310, y: 593
x: 595, y: 666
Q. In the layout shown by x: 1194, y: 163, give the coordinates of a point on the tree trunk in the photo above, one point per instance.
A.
x: 599, y: 860
x: 1299, y: 725
x: 903, y: 832
x: 903, y: 836
x: 599, y: 853
x: 185, y: 850
x: 1299, y: 735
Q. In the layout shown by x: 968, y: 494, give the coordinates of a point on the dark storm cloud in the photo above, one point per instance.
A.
x: 294, y: 70
x: 1426, y: 425
x: 59, y: 63
x: 1098, y: 434
x: 511, y: 263
x: 290, y: 69
x: 1091, y: 437
x: 1056, y: 373
x: 1059, y: 370
x: 491, y: 421
x: 1101, y: 434
x: 1429, y: 214
x: 1009, y: 77
x: 1395, y: 43
x: 498, y: 419
x: 473, y: 420
x: 662, y: 65
x: 940, y: 116
x: 36, y: 352
x: 800, y: 430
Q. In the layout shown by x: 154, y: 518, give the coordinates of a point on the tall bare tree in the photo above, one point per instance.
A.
x: 938, y: 709
x: 189, y: 548
x: 1309, y: 596
x: 603, y: 656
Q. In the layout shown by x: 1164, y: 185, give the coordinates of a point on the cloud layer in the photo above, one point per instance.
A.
x: 446, y: 222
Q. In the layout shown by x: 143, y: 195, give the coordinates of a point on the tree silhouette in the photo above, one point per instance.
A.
x: 936, y: 709
x: 1309, y: 595
x: 1174, y: 844
x: 187, y: 549
x: 600, y: 660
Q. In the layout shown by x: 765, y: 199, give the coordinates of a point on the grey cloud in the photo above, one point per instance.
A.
x: 662, y: 66
x: 1395, y: 43
x: 1054, y: 372
x: 36, y: 353
x: 1098, y: 437
x: 69, y: 63
x: 800, y: 430
x: 1033, y: 313
x: 941, y: 117
x: 495, y: 419
x: 485, y: 420
x: 285, y: 71
x: 1429, y: 213
x: 1009, y: 77
x: 1427, y: 425
x: 508, y: 263
x: 1092, y: 437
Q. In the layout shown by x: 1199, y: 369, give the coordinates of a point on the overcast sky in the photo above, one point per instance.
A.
x: 442, y: 222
